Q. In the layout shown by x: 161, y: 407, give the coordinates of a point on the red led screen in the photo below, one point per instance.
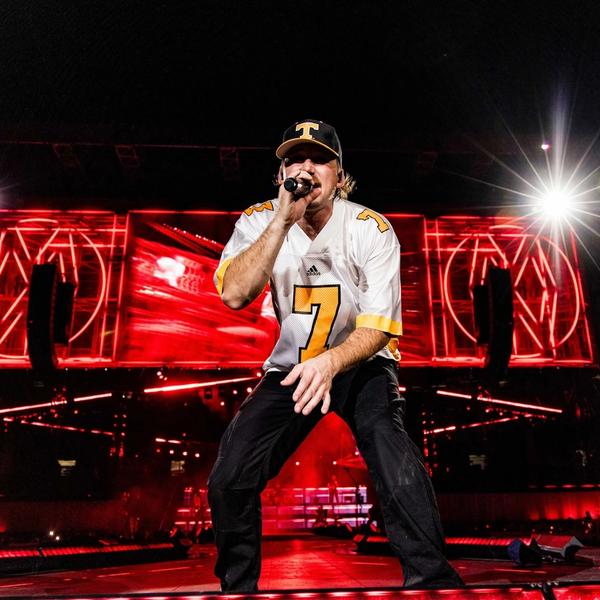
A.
x: 416, y: 344
x: 145, y: 296
x: 550, y: 325
x: 88, y: 250
x: 172, y: 313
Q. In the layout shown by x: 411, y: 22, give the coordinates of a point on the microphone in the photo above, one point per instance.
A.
x: 298, y: 187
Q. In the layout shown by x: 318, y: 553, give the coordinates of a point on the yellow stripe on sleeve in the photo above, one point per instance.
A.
x: 381, y: 323
x: 220, y: 274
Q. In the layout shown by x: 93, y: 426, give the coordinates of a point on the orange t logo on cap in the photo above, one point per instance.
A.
x: 306, y: 127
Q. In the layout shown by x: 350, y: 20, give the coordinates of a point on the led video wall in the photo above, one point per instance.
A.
x: 144, y: 294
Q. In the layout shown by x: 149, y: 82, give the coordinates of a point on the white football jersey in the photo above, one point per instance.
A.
x: 323, y: 289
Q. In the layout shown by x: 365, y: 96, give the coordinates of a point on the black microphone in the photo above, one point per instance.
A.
x: 298, y: 187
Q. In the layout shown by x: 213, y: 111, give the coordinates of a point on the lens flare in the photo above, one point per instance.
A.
x: 555, y: 191
x: 556, y: 204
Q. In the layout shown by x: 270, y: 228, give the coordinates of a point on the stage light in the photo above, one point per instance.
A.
x: 191, y: 386
x: 31, y: 406
x: 92, y: 397
x: 481, y: 398
x: 545, y: 146
x: 556, y: 204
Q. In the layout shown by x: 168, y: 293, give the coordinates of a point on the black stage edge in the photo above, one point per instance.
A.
x: 42, y: 559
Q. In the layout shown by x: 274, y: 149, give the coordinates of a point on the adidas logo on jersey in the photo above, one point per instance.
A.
x: 313, y: 272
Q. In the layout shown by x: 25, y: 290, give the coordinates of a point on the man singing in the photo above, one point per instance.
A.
x: 334, y: 271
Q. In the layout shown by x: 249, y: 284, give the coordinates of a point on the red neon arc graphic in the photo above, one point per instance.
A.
x: 87, y: 248
x: 37, y: 237
x: 485, y: 249
x: 103, y: 284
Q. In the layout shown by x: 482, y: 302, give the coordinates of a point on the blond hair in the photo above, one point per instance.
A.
x: 347, y: 187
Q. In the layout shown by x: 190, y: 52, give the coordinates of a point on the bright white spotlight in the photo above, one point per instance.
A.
x: 556, y: 204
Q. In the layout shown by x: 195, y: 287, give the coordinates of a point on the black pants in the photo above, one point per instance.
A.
x: 266, y: 431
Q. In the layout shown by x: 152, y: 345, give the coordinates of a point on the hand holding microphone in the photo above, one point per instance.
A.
x: 294, y: 195
x: 298, y: 187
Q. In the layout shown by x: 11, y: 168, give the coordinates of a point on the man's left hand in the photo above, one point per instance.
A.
x: 316, y: 376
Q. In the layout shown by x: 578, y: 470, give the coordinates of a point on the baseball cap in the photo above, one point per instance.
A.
x: 310, y: 131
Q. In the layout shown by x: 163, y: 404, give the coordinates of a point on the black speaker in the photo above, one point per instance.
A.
x: 500, y: 299
x: 63, y: 311
x: 49, y: 314
x: 493, y: 317
x: 481, y: 313
x: 40, y: 317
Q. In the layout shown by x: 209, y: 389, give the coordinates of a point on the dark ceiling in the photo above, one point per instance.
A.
x: 196, y: 94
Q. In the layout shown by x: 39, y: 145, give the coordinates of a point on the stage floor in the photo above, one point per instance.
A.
x: 290, y: 563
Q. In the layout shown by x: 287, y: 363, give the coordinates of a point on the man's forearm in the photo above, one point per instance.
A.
x: 316, y: 374
x: 249, y: 272
x: 360, y: 345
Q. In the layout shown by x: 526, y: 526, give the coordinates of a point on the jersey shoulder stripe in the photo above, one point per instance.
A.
x: 370, y: 216
x: 220, y: 274
x: 259, y: 207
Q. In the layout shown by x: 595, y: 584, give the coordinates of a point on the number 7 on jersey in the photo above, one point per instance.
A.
x: 326, y: 300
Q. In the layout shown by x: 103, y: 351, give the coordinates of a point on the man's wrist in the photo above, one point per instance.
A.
x: 280, y: 224
x: 334, y: 360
